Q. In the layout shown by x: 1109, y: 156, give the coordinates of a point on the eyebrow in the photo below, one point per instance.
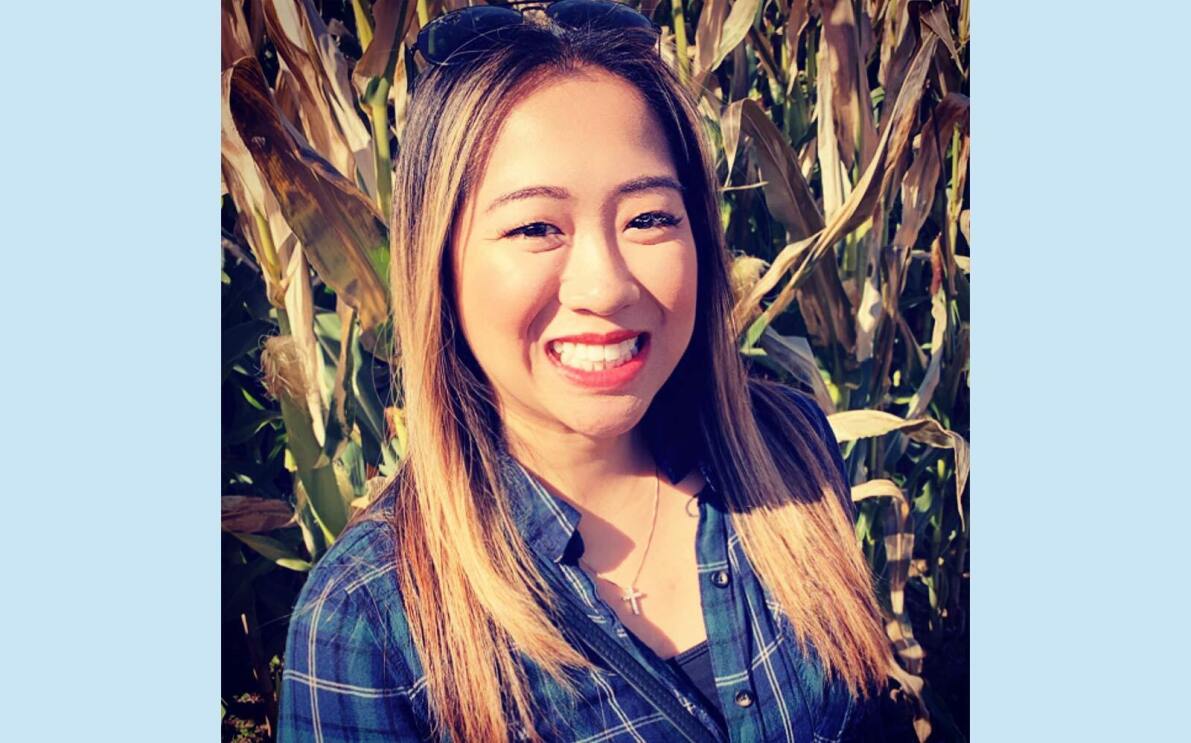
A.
x: 644, y: 183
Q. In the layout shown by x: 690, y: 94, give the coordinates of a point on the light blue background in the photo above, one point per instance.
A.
x: 110, y: 247
x: 110, y: 499
x: 1080, y: 446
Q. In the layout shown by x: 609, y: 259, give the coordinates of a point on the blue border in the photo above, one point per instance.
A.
x: 111, y: 258
x: 1079, y: 186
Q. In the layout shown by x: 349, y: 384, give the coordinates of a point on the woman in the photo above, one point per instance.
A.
x: 587, y: 458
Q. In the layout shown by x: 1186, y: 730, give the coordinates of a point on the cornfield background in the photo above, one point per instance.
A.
x: 843, y: 152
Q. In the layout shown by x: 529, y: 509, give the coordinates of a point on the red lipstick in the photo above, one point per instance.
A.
x: 599, y: 339
x: 603, y: 379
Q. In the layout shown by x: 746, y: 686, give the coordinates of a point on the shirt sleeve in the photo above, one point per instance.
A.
x: 339, y: 684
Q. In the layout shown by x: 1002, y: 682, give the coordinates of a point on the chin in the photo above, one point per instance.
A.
x: 606, y: 419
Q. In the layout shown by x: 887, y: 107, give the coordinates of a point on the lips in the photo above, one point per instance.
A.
x: 598, y: 339
x: 604, y: 378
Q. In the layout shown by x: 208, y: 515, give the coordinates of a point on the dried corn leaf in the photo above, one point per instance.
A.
x: 341, y: 231
x: 285, y: 94
x: 918, y: 188
x: 936, y: 20
x: 859, y: 205
x: 850, y: 425
x: 299, y: 307
x: 707, y: 36
x: 825, y: 307
x: 897, y: 47
x: 329, y: 115
x: 251, y: 514
x: 824, y: 304
x: 730, y: 133
x: 899, y: 536
x: 808, y: 157
x: 831, y: 166
x: 795, y: 24
x: 869, y: 310
x: 787, y: 193
x: 235, y: 37
x: 906, y: 646
x: 340, y: 422
x: 850, y: 100
x: 399, y: 95
x: 794, y: 354
x: 393, y: 20
x: 952, y: 110
x: 930, y: 380
x: 722, y: 26
x: 909, y: 677
x: 260, y: 218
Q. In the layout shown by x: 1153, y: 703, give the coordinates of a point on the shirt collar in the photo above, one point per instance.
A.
x: 548, y: 523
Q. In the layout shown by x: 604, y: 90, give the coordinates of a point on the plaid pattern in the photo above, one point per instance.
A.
x: 352, y: 673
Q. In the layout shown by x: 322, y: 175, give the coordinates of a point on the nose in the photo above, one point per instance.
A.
x: 596, y: 278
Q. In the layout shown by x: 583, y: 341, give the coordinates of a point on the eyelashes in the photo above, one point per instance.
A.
x: 532, y: 230
x: 655, y: 219
x: 646, y: 221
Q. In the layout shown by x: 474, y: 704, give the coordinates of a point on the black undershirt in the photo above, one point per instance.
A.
x: 695, y: 665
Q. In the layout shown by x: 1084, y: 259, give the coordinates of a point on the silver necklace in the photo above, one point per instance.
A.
x: 631, y: 593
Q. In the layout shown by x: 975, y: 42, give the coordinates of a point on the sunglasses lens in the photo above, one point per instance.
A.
x: 597, y: 14
x: 467, y: 34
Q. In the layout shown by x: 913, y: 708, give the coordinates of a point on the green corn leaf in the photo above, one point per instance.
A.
x: 274, y: 550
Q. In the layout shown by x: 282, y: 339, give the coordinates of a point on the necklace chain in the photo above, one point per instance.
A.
x: 631, y: 594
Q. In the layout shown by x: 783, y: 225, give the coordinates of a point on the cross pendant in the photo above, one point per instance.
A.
x: 632, y: 597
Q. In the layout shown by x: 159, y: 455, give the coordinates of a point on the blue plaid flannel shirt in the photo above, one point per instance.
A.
x: 352, y: 674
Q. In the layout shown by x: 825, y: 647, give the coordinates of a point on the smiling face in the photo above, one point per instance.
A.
x: 574, y: 262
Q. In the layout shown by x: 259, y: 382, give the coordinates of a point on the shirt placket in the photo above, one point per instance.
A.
x: 728, y: 629
x: 559, y: 528
x: 603, y: 615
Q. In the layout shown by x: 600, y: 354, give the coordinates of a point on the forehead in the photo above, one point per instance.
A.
x: 590, y: 127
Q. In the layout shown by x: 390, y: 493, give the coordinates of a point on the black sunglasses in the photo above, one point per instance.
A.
x: 468, y: 34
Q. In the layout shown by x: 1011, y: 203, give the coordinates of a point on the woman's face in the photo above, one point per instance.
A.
x: 574, y: 260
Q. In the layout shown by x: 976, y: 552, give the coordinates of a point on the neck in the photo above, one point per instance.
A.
x: 585, y: 471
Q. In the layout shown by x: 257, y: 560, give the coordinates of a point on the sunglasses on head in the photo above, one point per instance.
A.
x: 468, y: 34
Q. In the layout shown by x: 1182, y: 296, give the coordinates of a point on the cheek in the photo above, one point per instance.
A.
x: 674, y: 283
x: 500, y: 298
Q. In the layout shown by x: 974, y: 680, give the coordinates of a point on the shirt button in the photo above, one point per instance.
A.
x: 721, y: 578
x: 744, y: 699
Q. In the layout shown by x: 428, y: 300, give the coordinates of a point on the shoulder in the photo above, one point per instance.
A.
x: 352, y: 598
x: 363, y: 558
x: 775, y: 403
x: 783, y: 413
x: 350, y: 667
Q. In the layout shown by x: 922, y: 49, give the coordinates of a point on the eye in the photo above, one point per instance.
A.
x: 533, y: 230
x: 650, y: 220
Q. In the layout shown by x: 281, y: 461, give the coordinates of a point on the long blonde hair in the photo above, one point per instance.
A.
x: 468, y: 583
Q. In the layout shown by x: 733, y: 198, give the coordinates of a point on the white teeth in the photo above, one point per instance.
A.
x: 595, y: 357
